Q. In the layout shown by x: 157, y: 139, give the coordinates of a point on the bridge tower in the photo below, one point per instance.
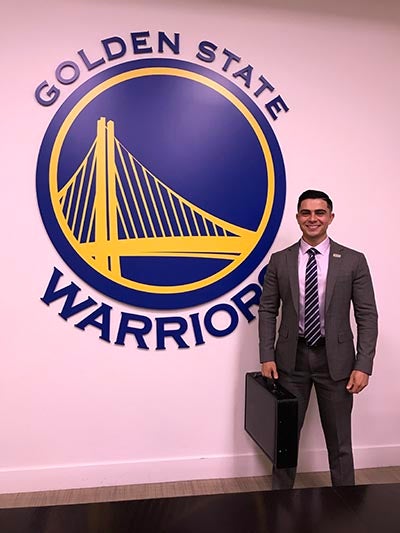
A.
x: 106, y: 221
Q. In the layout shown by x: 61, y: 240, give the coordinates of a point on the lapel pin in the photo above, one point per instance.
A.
x: 336, y: 255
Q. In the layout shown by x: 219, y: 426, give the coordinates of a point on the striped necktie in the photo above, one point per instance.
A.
x: 312, y: 325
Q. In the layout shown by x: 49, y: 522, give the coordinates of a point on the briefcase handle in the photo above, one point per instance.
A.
x: 271, y: 384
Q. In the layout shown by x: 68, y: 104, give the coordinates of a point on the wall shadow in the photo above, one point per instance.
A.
x: 382, y: 10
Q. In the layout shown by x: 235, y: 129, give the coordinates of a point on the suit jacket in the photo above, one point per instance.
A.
x: 348, y: 281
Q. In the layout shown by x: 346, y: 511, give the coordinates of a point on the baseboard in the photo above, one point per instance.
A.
x: 131, y: 473
x: 181, y: 469
x: 364, y: 457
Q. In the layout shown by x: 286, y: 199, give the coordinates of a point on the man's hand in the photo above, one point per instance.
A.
x: 268, y: 370
x: 357, y: 382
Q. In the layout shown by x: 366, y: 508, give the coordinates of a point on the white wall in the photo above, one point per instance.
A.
x: 76, y: 411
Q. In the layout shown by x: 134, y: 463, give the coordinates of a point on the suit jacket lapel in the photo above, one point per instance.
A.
x: 333, y: 270
x: 293, y: 270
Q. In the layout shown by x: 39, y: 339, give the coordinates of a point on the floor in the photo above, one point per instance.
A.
x: 245, y: 505
x: 187, y: 488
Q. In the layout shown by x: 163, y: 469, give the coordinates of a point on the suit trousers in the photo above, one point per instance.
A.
x: 335, y: 404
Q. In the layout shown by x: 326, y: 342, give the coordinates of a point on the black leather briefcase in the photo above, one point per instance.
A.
x: 271, y: 419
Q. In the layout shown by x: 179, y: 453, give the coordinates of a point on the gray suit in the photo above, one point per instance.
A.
x: 348, y: 281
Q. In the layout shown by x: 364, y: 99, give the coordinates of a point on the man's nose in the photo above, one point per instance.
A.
x: 312, y: 217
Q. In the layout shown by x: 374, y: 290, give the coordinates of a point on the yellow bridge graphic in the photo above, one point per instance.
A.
x: 115, y: 207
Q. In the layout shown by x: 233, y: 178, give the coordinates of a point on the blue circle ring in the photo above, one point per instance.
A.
x: 133, y: 296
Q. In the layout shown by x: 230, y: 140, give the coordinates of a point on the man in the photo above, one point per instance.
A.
x: 314, y: 282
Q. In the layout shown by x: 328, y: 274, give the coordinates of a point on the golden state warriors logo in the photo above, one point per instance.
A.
x: 161, y: 183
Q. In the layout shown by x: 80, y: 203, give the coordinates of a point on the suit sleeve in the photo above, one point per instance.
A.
x: 366, y: 316
x: 268, y: 312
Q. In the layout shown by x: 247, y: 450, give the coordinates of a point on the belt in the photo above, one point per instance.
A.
x: 320, y: 342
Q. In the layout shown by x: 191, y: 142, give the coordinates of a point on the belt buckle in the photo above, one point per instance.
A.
x: 320, y: 342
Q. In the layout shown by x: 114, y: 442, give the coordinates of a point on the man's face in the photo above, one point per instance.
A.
x: 314, y: 217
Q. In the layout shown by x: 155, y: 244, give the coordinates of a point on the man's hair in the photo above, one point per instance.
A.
x: 314, y: 195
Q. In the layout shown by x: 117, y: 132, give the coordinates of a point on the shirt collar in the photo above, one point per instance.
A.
x: 322, y: 247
